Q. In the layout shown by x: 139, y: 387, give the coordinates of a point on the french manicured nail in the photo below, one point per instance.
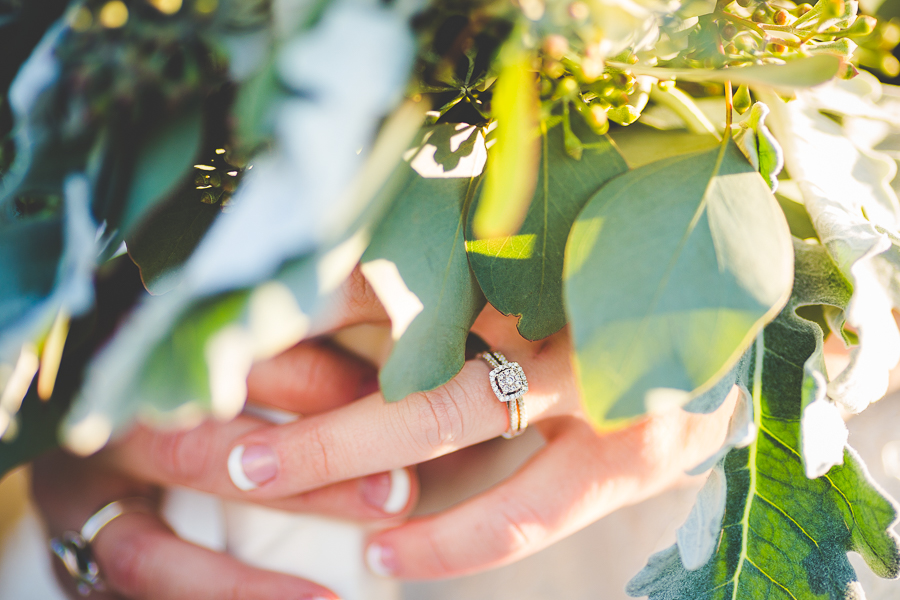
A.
x: 251, y: 466
x: 388, y: 492
x: 382, y: 560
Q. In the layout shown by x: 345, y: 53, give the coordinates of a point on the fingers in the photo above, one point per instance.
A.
x: 197, y: 459
x: 577, y: 478
x: 369, y: 436
x: 309, y: 378
x: 138, y: 556
x: 141, y: 559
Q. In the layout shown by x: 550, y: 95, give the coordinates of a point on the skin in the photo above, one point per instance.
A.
x: 577, y: 477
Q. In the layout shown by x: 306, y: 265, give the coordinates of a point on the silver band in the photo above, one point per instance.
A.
x: 510, y: 385
x: 74, y: 548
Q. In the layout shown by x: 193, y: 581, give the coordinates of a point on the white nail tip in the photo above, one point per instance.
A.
x: 398, y: 497
x: 373, y: 560
x: 236, y: 470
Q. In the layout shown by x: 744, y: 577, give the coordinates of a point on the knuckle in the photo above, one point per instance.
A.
x: 517, y: 529
x: 126, y: 569
x: 319, y: 454
x: 437, y: 419
x: 183, y: 456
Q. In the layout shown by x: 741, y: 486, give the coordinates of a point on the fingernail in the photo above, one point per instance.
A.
x: 382, y: 560
x: 250, y: 467
x: 388, y: 492
x: 368, y: 385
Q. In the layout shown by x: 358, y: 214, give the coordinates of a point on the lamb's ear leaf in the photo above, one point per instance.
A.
x: 666, y: 289
x: 784, y: 534
x: 417, y: 264
x: 521, y: 274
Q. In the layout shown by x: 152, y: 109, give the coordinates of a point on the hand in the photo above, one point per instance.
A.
x: 139, y: 556
x: 578, y: 477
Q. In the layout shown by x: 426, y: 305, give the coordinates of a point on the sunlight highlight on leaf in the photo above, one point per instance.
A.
x: 401, y: 304
x: 518, y: 247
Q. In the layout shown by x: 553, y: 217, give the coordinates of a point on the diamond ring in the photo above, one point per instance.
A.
x: 510, y: 385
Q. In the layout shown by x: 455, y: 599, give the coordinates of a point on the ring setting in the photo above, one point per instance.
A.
x: 509, y: 384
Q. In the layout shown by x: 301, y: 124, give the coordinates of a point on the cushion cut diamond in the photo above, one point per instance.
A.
x: 508, y: 381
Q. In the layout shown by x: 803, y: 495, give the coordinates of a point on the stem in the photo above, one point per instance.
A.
x: 741, y: 21
x: 729, y: 107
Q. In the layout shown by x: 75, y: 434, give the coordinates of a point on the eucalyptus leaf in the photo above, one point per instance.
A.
x: 783, y: 535
x: 511, y: 175
x: 665, y: 291
x: 418, y: 267
x: 521, y: 274
x: 168, y: 236
x: 642, y: 145
x: 799, y: 73
x: 163, y: 161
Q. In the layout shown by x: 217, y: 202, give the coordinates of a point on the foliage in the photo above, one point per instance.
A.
x: 635, y: 170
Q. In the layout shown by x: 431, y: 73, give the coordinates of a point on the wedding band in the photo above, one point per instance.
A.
x: 73, y: 548
x: 510, y: 385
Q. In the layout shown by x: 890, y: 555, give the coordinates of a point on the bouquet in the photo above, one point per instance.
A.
x: 701, y: 190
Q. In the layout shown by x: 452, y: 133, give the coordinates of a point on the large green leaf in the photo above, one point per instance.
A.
x: 522, y: 274
x: 417, y: 264
x: 671, y: 270
x: 785, y: 535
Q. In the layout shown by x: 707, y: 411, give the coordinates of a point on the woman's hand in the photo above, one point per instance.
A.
x: 139, y: 556
x: 578, y: 477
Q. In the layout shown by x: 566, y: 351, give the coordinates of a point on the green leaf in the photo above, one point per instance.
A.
x: 417, y: 265
x: 162, y: 162
x: 176, y: 373
x: 785, y: 535
x: 29, y: 259
x: 671, y: 270
x: 522, y: 274
x: 642, y: 145
x: 760, y: 146
x: 799, y: 73
x: 513, y: 160
x: 845, y: 186
x: 741, y: 100
x: 168, y: 236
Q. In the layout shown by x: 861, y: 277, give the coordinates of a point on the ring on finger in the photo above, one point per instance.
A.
x: 510, y: 385
x: 73, y: 548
